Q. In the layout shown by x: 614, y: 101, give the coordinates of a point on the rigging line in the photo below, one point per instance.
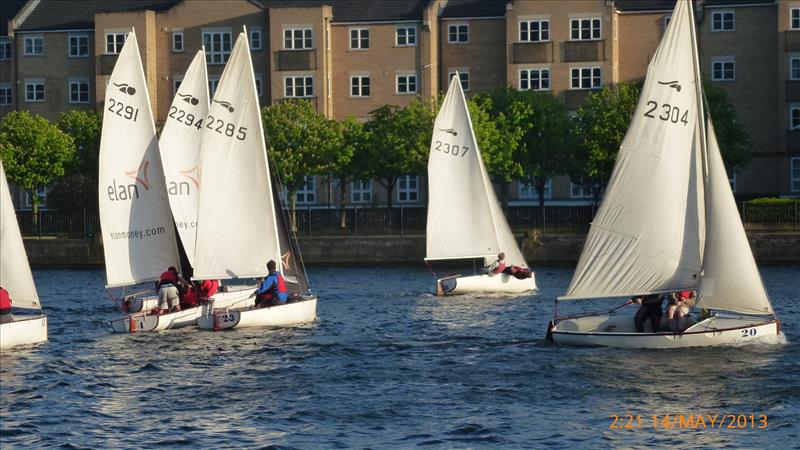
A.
x: 578, y: 316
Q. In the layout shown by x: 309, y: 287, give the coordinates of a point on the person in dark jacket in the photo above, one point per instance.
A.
x: 650, y: 309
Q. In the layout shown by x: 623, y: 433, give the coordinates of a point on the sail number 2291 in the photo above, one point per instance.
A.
x: 453, y: 150
x: 666, y: 112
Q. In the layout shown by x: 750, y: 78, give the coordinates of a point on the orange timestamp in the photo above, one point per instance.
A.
x: 688, y: 421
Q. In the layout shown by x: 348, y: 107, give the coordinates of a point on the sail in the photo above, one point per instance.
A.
x: 291, y: 266
x: 647, y: 236
x: 180, y: 150
x: 460, y: 215
x: 138, y: 231
x: 730, y: 278
x: 236, y: 229
x: 15, y: 272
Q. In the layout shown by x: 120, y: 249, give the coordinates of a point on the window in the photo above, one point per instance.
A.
x: 794, y: 68
x: 297, y: 38
x: 34, y: 45
x: 406, y: 36
x: 5, y: 48
x: 528, y: 191
x: 536, y: 79
x: 463, y: 76
x: 534, y: 30
x: 586, y: 78
x: 34, y: 90
x: 359, y: 86
x: 255, y: 38
x: 177, y: 41
x: 722, y: 21
x: 732, y: 181
x: 795, y: 169
x: 359, y: 38
x: 406, y: 84
x: 667, y: 18
x: 407, y: 188
x: 794, y: 18
x: 458, y: 33
x: 176, y: 84
x: 723, y: 69
x: 585, y: 29
x: 259, y: 85
x: 580, y: 191
x: 78, y: 45
x: 794, y: 117
x: 213, y: 82
x: 298, y: 87
x: 6, y: 95
x: 361, y: 191
x: 307, y: 193
x: 114, y: 43
x: 218, y: 46
x: 41, y: 192
x: 79, y: 91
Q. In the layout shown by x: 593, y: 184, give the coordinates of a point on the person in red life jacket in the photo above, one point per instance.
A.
x: 498, y: 266
x: 272, y: 290
x: 5, y: 301
x: 169, y: 287
x: 206, y: 289
x: 189, y: 298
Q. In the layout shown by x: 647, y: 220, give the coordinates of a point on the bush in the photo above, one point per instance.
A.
x: 773, y: 201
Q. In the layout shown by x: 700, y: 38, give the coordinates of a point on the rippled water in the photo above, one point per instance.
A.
x: 387, y: 365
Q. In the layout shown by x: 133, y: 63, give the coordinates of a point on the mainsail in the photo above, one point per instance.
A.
x: 464, y: 216
x: 138, y: 231
x: 15, y: 272
x: 236, y: 217
x: 180, y: 150
x: 648, y: 234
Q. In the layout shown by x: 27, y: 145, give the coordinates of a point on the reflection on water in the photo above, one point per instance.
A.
x: 387, y: 365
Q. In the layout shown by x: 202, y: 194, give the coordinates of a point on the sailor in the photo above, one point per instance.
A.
x: 273, y: 289
x: 498, y: 266
x: 5, y: 302
x: 650, y: 309
x: 207, y: 288
x: 167, y: 287
x: 679, y: 306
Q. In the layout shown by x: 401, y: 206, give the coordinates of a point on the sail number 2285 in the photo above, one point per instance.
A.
x: 454, y: 150
x: 666, y: 112
x: 226, y: 128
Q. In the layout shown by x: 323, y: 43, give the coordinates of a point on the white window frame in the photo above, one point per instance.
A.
x: 527, y: 191
x: 361, y: 35
x: 255, y: 38
x: 581, y: 77
x: 357, y: 83
x: 794, y: 117
x: 594, y: 20
x: 29, y: 45
x: 403, y: 82
x: 722, y: 62
x: 667, y: 18
x: 794, y: 72
x: 732, y: 181
x: 526, y: 76
x: 409, y: 35
x: 794, y: 18
x: 8, y: 94
x: 794, y: 174
x: 5, y: 48
x: 463, y: 77
x: 214, y: 42
x: 259, y: 78
x: 542, y: 30
x: 176, y: 84
x: 178, y: 42
x: 77, y: 38
x: 361, y: 191
x: 213, y: 84
x: 76, y: 83
x: 457, y: 33
x: 118, y: 40
x: 41, y: 192
x: 404, y: 188
x: 718, y: 21
x: 306, y: 38
x: 580, y: 191
x: 291, y: 86
x: 33, y: 82
x: 307, y: 194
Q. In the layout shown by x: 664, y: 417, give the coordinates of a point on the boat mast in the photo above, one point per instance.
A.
x: 701, y: 117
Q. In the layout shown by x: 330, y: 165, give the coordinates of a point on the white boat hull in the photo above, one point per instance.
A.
x: 294, y: 313
x: 619, y: 331
x: 500, y: 283
x: 143, y: 321
x: 23, y: 331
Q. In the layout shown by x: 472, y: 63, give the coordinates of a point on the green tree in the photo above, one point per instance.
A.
x: 734, y: 142
x: 78, y: 188
x: 34, y: 151
x: 348, y: 164
x: 300, y: 142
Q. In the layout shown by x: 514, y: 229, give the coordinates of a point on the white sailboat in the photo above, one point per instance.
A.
x: 238, y: 219
x: 16, y: 278
x: 465, y: 220
x: 668, y: 221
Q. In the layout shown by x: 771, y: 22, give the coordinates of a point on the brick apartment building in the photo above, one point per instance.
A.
x: 352, y: 56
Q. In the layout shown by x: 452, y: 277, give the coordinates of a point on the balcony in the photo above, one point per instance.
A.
x: 531, y: 52
x: 296, y: 60
x: 793, y: 141
x: 792, y: 39
x: 576, y: 51
x: 793, y: 91
x: 573, y: 99
x: 105, y: 64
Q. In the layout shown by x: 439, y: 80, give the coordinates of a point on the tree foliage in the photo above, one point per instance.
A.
x: 34, y: 151
x: 84, y: 126
x: 734, y: 142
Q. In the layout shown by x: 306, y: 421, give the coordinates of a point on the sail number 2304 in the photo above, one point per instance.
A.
x: 666, y: 112
x: 448, y: 149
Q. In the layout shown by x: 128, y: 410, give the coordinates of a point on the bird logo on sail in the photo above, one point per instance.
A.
x: 189, y: 98
x: 673, y: 84
x: 225, y: 104
x: 125, y: 88
x: 449, y: 131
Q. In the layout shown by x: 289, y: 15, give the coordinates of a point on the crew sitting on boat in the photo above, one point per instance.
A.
x: 5, y: 305
x: 273, y: 289
x: 650, y: 309
x: 206, y: 289
x: 499, y: 266
x: 679, y: 305
x: 169, y: 287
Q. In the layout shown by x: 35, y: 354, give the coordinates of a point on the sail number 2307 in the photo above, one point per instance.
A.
x: 453, y: 150
x: 666, y: 112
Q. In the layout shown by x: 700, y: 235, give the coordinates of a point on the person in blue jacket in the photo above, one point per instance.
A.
x: 272, y: 290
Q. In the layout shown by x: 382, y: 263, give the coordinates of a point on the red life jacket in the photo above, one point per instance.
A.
x: 209, y: 287
x: 500, y: 267
x: 5, y: 300
x: 168, y: 277
x: 281, y: 284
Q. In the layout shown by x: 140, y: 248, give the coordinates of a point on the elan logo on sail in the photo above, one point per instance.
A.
x: 183, y: 187
x: 225, y: 104
x: 449, y: 131
x: 672, y: 84
x: 125, y: 88
x: 120, y: 192
x: 189, y: 98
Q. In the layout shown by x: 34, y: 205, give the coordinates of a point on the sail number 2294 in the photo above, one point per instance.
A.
x: 666, y: 112
x: 448, y: 149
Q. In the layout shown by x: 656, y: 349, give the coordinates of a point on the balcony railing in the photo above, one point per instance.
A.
x: 296, y: 60
x: 576, y: 51
x: 531, y: 52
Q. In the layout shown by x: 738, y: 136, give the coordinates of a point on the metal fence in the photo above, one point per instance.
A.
x: 407, y: 220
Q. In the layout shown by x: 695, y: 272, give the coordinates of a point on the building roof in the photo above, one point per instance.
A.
x: 668, y: 5
x: 474, y: 8
x: 360, y: 10
x: 9, y: 9
x: 79, y: 14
